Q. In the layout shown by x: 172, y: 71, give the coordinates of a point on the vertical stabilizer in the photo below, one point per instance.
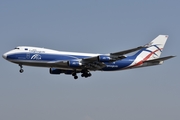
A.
x: 154, y: 49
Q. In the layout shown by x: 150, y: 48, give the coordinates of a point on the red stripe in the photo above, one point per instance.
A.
x: 146, y: 58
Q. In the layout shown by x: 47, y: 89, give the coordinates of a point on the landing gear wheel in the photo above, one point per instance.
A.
x: 86, y: 74
x: 89, y: 74
x: 21, y: 70
x: 75, y: 77
x: 74, y: 74
x: 82, y: 75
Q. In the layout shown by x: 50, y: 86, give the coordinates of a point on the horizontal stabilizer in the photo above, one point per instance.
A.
x: 159, y: 59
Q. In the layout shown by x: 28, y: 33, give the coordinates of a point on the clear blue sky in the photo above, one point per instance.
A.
x: 96, y: 26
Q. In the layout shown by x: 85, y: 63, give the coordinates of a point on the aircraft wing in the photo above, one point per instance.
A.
x: 58, y: 63
x: 114, y: 56
x: 97, y: 62
x: 158, y: 59
x: 92, y: 65
x: 90, y: 59
x: 127, y: 51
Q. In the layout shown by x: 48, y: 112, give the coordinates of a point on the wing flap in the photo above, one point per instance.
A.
x: 94, y: 65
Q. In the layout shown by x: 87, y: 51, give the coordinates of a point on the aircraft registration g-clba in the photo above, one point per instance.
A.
x: 71, y: 63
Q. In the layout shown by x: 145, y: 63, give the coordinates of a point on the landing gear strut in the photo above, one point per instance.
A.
x: 75, y: 75
x: 21, y: 69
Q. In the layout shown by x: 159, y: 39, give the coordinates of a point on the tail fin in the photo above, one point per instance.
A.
x: 154, y: 49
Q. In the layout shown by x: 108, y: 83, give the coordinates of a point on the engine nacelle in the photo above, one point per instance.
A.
x: 104, y: 58
x: 74, y: 64
x: 59, y: 71
x: 55, y: 71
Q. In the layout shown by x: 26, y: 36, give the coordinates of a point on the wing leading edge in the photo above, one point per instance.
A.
x: 127, y: 51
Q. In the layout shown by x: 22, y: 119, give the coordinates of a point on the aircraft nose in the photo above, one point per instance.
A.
x: 4, y: 56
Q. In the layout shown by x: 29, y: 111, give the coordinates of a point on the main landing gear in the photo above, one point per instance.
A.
x: 75, y: 75
x: 85, y: 73
x: 21, y: 69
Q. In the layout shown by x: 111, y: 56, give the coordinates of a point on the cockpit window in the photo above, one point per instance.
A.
x: 16, y: 48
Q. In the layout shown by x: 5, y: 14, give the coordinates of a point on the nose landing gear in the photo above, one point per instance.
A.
x: 21, y: 69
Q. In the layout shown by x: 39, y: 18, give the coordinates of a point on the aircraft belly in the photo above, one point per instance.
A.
x: 39, y: 64
x: 119, y: 65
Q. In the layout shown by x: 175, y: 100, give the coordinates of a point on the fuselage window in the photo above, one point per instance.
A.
x: 25, y: 49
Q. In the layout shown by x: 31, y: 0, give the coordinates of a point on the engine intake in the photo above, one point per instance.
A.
x: 104, y: 58
x: 74, y: 64
x: 55, y: 71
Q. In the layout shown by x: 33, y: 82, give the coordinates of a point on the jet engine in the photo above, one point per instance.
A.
x: 74, y: 64
x: 104, y: 58
x: 55, y: 71
x: 59, y: 71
